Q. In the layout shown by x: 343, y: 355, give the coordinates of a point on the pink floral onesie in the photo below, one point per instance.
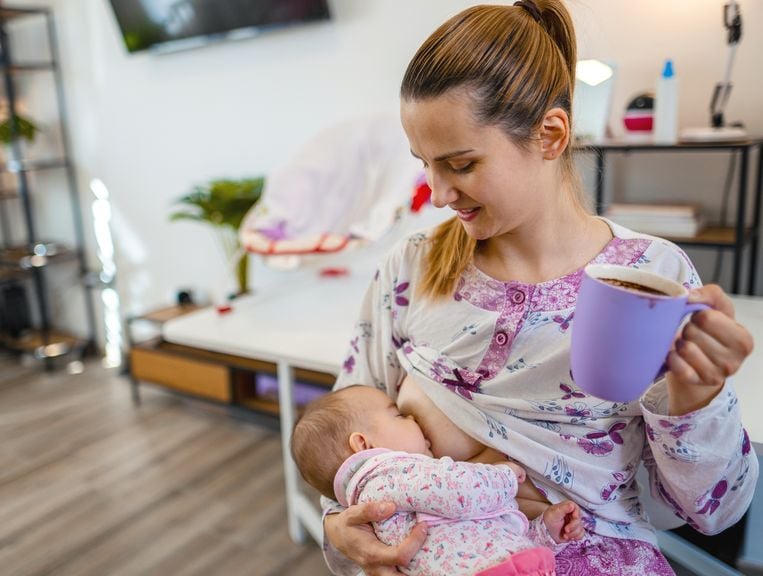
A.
x: 474, y: 522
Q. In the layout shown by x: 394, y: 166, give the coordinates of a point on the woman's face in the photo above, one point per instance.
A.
x: 488, y: 181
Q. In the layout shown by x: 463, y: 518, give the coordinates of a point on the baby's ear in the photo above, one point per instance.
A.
x: 358, y: 442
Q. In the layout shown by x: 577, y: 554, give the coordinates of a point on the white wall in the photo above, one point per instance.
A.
x: 153, y: 126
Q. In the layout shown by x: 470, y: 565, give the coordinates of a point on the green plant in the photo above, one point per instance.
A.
x: 25, y: 129
x: 223, y: 204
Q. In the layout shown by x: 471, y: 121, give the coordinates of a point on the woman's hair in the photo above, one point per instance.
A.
x: 516, y: 63
x: 320, y: 441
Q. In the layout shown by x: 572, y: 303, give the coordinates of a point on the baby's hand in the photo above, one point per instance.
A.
x: 518, y: 470
x: 563, y: 521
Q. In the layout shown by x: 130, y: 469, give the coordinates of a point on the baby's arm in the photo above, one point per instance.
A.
x: 441, y: 487
x: 560, y: 521
x: 532, y: 503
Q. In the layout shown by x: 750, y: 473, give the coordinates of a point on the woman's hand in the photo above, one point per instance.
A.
x: 350, y: 532
x: 710, y: 348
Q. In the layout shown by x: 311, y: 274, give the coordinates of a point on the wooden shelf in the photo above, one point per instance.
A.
x: 184, y: 373
x: 16, y: 166
x: 29, y: 67
x: 222, y: 378
x: 268, y: 406
x: 710, y: 236
x: 7, y: 13
x: 26, y: 258
x: 42, y: 345
x: 162, y: 315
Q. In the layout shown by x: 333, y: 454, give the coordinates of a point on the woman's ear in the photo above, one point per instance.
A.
x: 358, y: 442
x: 555, y: 133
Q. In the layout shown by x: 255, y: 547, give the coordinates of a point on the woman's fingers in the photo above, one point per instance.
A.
x: 718, y: 334
x: 705, y: 360
x: 712, y: 345
x: 382, y: 559
x: 714, y: 296
x: 368, y: 512
x: 351, y: 533
x: 407, y: 549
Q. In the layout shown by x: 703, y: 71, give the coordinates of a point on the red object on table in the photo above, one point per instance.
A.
x: 334, y: 271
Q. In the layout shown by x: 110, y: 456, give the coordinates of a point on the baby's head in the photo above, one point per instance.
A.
x: 341, y: 423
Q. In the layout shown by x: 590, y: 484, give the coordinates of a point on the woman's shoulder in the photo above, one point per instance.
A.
x: 409, y: 250
x: 656, y: 254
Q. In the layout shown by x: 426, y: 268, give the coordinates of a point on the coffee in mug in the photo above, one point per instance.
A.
x: 632, y: 286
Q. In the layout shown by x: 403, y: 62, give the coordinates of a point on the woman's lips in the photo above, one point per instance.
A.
x: 467, y: 214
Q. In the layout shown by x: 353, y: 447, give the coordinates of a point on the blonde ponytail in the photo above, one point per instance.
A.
x: 451, y: 250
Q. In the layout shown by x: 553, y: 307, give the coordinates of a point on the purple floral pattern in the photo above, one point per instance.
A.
x: 463, y: 383
x: 514, y: 301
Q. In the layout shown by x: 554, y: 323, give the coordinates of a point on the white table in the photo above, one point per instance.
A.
x: 748, y: 382
x: 305, y: 321
x: 302, y: 321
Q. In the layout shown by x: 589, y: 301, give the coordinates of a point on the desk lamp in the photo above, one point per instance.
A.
x: 594, y: 80
x: 732, y: 21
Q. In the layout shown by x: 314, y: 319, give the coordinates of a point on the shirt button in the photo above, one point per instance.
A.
x: 518, y: 297
x: 501, y: 338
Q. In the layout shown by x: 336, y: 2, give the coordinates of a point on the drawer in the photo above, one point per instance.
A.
x: 182, y: 373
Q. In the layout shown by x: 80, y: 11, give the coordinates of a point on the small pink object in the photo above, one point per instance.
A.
x: 531, y: 562
x: 334, y: 271
x: 223, y: 308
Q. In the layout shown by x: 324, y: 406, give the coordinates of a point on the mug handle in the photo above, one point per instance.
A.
x: 690, y: 309
x: 697, y: 307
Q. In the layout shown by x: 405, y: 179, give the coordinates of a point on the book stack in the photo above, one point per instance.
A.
x: 681, y: 220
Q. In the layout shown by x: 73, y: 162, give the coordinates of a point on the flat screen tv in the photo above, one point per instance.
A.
x: 168, y: 25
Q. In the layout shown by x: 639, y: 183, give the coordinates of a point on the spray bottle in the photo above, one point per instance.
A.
x: 666, y: 106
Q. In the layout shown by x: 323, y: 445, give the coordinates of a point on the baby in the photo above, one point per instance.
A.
x: 354, y: 446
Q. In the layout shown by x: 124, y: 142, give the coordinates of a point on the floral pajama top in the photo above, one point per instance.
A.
x: 494, y: 358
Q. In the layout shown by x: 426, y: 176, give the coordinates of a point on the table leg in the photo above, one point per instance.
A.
x: 288, y: 414
x: 599, y: 180
x: 758, y: 191
x: 739, y: 239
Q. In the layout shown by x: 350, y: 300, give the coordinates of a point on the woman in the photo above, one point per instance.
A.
x: 467, y: 326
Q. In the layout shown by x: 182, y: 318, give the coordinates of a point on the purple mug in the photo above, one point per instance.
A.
x: 621, y: 337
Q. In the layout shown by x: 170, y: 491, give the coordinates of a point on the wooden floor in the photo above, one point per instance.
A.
x: 92, y: 485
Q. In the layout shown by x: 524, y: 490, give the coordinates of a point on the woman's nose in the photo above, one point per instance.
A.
x: 443, y: 193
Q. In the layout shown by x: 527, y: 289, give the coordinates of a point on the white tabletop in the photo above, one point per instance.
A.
x: 306, y: 320
x: 748, y: 382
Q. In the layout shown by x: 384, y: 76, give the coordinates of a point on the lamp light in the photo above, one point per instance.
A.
x: 593, y: 72
x: 594, y: 81
x: 732, y: 21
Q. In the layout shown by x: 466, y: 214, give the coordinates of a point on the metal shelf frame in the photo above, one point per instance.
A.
x: 19, y: 167
x: 736, y: 238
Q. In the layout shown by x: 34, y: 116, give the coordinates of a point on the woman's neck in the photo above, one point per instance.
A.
x: 554, y: 243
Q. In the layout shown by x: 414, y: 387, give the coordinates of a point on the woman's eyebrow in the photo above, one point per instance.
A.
x: 445, y: 156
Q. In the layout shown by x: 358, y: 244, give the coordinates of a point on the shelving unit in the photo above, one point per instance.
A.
x: 744, y: 234
x: 27, y: 254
